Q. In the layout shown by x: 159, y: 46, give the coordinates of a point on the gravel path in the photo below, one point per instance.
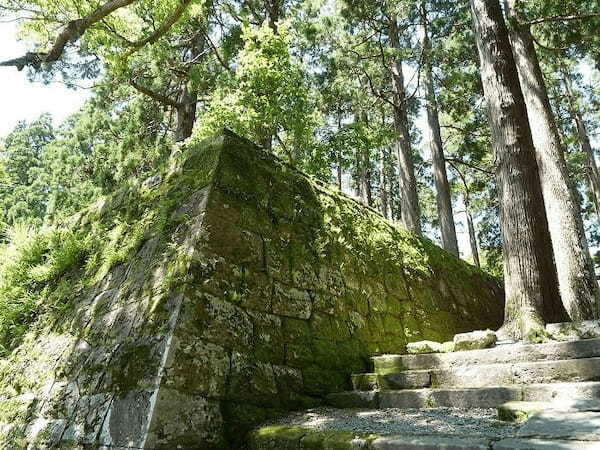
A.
x: 451, y: 421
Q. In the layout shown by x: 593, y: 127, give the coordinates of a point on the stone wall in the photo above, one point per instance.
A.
x: 254, y: 290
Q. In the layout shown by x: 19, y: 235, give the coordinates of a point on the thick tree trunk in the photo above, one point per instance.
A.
x: 440, y: 176
x: 186, y: 113
x: 578, y: 287
x: 584, y: 141
x: 531, y: 286
x: 410, y: 213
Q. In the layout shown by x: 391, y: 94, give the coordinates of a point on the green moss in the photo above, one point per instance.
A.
x: 279, y: 271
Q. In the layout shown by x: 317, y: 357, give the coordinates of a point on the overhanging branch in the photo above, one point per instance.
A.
x: 70, y: 33
x: 163, y: 29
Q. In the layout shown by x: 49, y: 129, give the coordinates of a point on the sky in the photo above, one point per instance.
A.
x: 23, y: 100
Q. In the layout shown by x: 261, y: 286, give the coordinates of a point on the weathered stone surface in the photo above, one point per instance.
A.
x: 473, y: 376
x: 490, y: 397
x: 513, y: 353
x: 582, y: 426
x: 354, y: 399
x: 417, y: 398
x: 365, y: 381
x: 547, y: 371
x: 520, y: 411
x: 415, y: 348
x: 572, y: 331
x: 448, y: 347
x: 474, y: 340
x: 544, y: 444
x: 561, y: 391
x: 405, y: 380
x: 236, y: 288
x: 429, y: 443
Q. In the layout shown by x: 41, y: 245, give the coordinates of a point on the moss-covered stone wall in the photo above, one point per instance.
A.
x: 251, y: 290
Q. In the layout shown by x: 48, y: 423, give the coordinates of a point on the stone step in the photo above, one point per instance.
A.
x: 509, y: 353
x: 486, y: 397
x: 482, y: 375
x: 519, y: 411
x: 296, y: 438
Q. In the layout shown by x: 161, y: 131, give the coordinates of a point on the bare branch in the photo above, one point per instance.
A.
x: 216, y: 52
x: 453, y: 161
x: 567, y: 18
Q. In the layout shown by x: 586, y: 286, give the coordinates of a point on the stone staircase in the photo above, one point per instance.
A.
x: 552, y: 388
x: 479, y: 378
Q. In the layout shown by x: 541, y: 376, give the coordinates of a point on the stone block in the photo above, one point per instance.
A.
x: 474, y: 340
x: 429, y: 443
x: 544, y: 444
x: 582, y: 426
x: 423, y: 347
x: 414, y: 398
x: 405, y: 380
x: 561, y: 391
x: 490, y: 397
x: 291, y: 302
x: 355, y: 399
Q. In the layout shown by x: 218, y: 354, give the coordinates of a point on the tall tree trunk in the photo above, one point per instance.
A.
x: 383, y: 193
x: 273, y: 9
x: 365, y: 168
x: 531, y: 285
x: 578, y: 288
x: 364, y: 179
x: 440, y: 176
x: 410, y: 213
x: 472, y: 234
x: 273, y: 14
x: 338, y: 168
x: 393, y: 213
x: 186, y: 112
x: 188, y: 96
x: 584, y: 140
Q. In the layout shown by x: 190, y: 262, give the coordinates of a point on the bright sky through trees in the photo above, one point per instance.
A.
x: 24, y: 100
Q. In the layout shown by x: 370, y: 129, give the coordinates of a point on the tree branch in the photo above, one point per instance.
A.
x: 453, y: 161
x: 154, y: 95
x: 71, y: 33
x: 567, y: 18
x: 162, y: 30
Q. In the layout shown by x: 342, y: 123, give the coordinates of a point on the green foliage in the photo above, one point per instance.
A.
x: 268, y: 96
x: 29, y: 263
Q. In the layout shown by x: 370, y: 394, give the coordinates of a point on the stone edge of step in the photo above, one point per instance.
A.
x: 581, y: 369
x: 491, y: 396
x: 505, y: 354
x: 277, y: 437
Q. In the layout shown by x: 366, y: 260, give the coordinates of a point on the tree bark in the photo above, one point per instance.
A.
x: 531, y: 286
x: 472, y: 234
x: 339, y: 174
x: 584, y: 140
x: 383, y: 193
x: 186, y: 113
x: 410, y: 213
x: 576, y: 279
x: 440, y: 176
